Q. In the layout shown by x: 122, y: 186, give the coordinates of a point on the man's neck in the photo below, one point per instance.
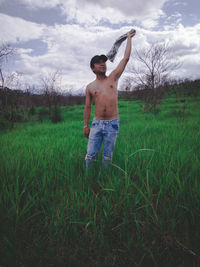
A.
x: 101, y: 76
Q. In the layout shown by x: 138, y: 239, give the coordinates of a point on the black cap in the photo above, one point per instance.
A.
x: 96, y: 59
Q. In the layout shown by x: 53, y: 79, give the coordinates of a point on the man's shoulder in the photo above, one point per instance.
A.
x: 90, y: 86
x: 112, y: 76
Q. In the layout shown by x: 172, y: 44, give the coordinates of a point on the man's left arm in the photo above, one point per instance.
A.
x: 121, y: 66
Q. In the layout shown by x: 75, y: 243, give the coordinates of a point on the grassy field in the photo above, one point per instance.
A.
x: 144, y: 212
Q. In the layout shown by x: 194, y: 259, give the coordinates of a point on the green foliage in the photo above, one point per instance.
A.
x: 4, y: 124
x: 43, y: 114
x: 13, y: 114
x: 32, y: 111
x: 56, y: 114
x: 143, y: 212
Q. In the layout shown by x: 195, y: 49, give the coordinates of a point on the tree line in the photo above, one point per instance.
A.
x: 152, y: 100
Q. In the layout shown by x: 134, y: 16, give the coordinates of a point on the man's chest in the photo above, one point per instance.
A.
x: 104, y: 90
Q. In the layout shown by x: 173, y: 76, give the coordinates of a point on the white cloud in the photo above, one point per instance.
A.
x: 131, y: 8
x: 15, y: 30
x: 180, y: 3
x: 34, y: 4
x: 91, y: 12
x: 24, y: 51
x: 115, y: 12
x: 185, y: 40
x: 71, y: 46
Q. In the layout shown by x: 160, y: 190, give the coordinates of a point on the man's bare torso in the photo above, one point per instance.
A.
x: 104, y: 94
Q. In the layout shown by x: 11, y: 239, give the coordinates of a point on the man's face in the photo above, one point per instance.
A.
x: 100, y: 67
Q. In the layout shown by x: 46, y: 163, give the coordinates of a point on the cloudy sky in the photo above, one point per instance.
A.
x: 63, y: 35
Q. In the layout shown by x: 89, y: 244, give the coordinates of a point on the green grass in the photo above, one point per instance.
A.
x: 144, y: 212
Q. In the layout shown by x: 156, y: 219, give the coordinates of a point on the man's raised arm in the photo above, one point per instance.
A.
x: 87, y: 112
x: 120, y: 68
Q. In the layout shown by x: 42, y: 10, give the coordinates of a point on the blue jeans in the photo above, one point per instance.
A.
x: 102, y: 131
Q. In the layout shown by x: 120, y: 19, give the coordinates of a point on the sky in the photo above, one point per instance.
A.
x: 61, y: 36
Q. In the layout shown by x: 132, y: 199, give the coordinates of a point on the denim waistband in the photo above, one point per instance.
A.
x: 95, y: 119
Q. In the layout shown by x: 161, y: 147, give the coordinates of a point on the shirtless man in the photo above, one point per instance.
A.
x: 103, y: 91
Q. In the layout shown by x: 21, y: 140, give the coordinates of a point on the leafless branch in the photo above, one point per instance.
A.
x: 5, y: 51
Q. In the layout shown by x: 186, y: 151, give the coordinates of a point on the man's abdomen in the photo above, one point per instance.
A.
x: 106, y: 111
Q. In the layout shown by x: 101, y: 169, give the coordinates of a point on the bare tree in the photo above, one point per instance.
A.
x: 154, y: 65
x: 51, y: 85
x: 5, y: 51
x: 126, y: 87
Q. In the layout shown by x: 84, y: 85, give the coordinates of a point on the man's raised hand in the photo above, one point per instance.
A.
x: 132, y: 33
